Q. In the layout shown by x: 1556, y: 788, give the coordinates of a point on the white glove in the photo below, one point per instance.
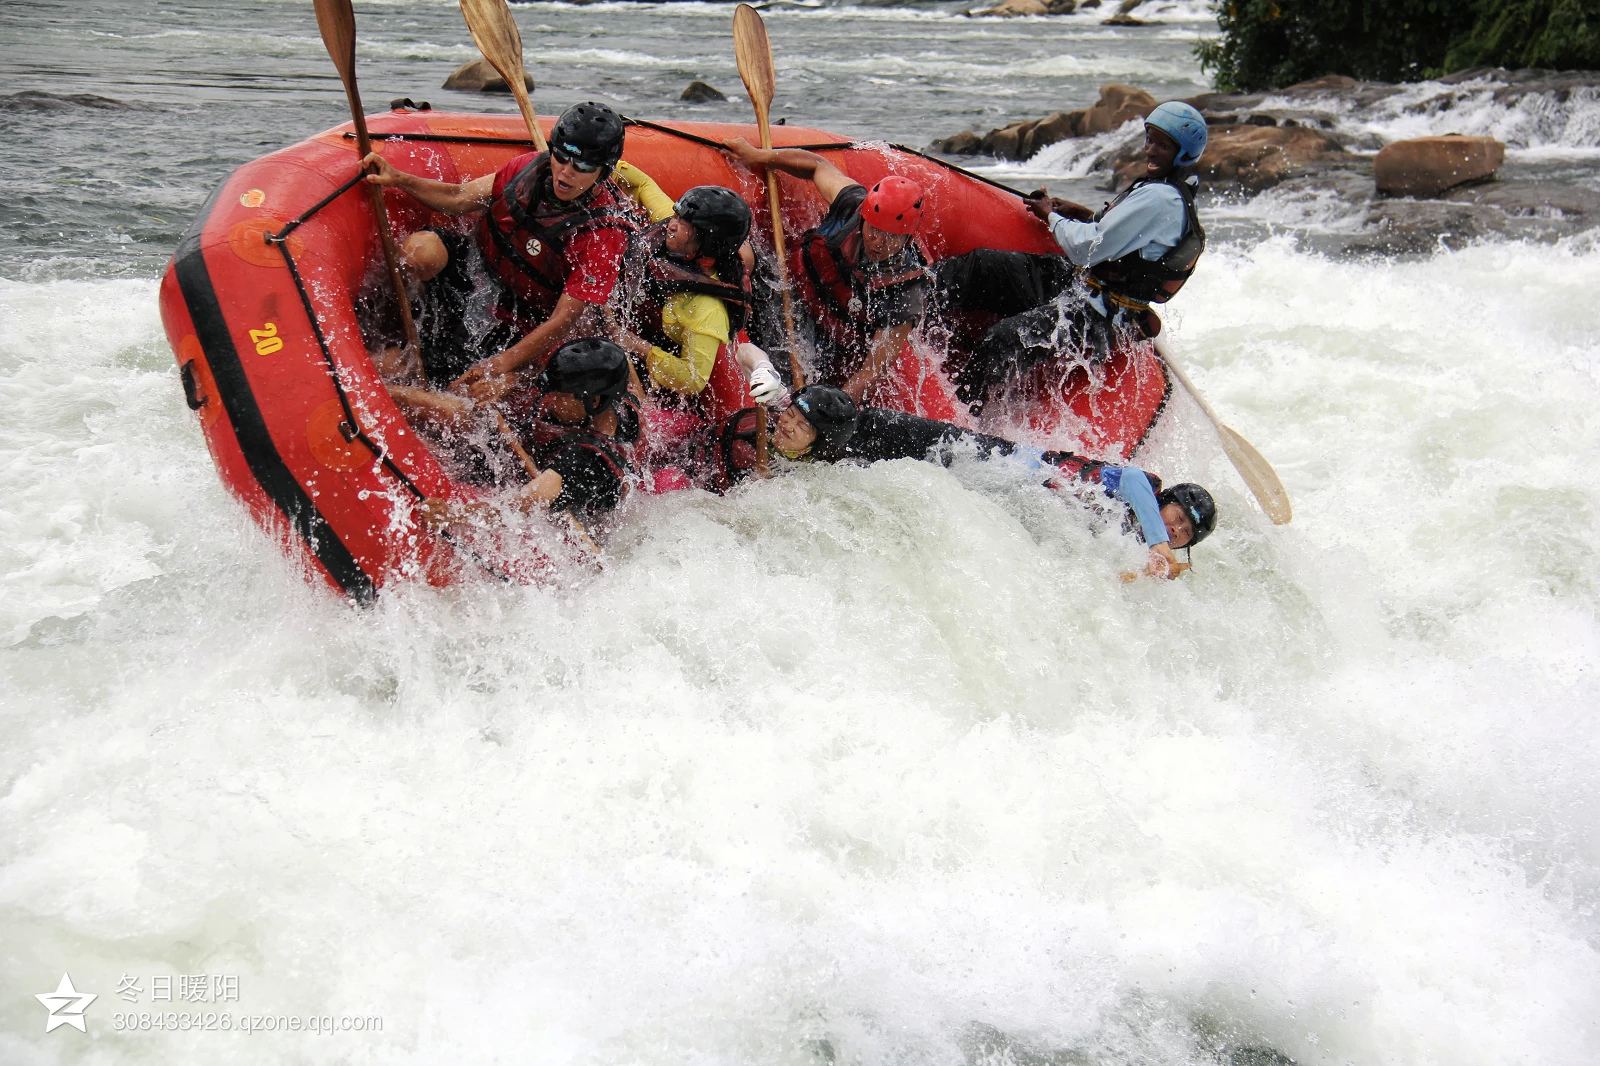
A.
x: 766, y: 387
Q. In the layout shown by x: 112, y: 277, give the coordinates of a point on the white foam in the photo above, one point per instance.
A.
x: 878, y: 756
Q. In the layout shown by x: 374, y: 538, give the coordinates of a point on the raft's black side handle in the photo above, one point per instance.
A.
x: 191, y: 388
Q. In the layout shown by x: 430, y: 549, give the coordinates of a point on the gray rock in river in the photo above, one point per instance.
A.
x: 1117, y: 104
x: 479, y: 76
x: 698, y: 92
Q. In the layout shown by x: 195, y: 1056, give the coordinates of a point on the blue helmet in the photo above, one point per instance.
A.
x: 1183, y: 124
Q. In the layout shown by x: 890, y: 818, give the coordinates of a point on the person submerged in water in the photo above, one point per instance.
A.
x: 860, y: 276
x: 1137, y: 250
x: 575, y: 430
x: 824, y: 424
x: 551, y: 234
x: 813, y: 425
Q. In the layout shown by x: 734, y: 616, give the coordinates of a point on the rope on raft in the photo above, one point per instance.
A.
x: 694, y: 138
x: 350, y: 428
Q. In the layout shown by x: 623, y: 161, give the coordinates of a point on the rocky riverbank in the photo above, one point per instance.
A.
x: 1315, y: 144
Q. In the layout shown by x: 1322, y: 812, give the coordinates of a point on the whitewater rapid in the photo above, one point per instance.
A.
x: 860, y: 765
x: 884, y: 761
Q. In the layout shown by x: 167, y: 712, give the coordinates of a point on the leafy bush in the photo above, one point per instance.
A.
x: 1272, y: 43
x: 1559, y: 34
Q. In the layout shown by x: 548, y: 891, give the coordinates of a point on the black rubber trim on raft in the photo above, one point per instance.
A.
x: 350, y: 428
x: 249, y: 425
x: 1166, y: 395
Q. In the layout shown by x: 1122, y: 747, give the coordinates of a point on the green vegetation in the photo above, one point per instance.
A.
x: 1267, y: 44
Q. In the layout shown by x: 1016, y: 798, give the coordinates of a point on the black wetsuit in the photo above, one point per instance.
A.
x: 885, y: 434
x: 1042, y: 317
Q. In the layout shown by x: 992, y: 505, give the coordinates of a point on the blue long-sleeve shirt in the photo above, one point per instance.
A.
x: 1129, y: 484
x: 1149, y: 221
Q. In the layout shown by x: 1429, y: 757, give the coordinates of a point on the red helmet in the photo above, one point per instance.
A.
x: 894, y: 205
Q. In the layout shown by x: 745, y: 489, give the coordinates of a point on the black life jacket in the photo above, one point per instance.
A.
x: 661, y: 275
x: 524, y: 234
x: 543, y: 439
x: 1136, y: 281
x: 840, y: 292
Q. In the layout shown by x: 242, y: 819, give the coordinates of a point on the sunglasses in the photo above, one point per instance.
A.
x: 567, y: 159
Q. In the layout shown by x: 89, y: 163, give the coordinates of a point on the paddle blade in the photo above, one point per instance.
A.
x: 495, y: 33
x: 337, y: 22
x: 753, y: 52
x: 1258, y: 476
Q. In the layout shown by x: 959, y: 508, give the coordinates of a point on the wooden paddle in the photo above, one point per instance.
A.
x: 1258, y: 474
x: 753, y: 52
x: 338, y: 25
x: 494, y: 31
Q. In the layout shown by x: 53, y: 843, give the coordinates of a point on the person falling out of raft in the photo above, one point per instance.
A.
x: 551, y: 234
x: 1137, y: 250
x: 824, y: 424
x: 859, y: 274
x: 576, y: 424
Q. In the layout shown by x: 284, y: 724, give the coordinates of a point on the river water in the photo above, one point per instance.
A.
x: 863, y: 765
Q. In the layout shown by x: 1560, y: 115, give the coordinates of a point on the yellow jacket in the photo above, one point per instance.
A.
x: 699, y: 323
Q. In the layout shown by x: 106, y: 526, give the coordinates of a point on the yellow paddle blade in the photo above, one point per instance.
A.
x: 494, y: 31
x: 1258, y: 476
x: 753, y: 52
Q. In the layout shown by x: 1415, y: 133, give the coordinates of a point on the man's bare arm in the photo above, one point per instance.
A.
x: 829, y: 179
x: 490, y: 379
x: 439, y: 195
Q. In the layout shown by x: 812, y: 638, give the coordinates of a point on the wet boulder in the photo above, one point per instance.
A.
x: 698, y: 92
x: 1427, y: 166
x: 1021, y: 140
x: 1123, y: 19
x: 1249, y: 158
x: 1421, y: 227
x: 1007, y: 9
x: 964, y: 143
x: 479, y: 77
x: 1118, y: 103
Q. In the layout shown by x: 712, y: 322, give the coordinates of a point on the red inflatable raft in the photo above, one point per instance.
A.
x: 258, y: 304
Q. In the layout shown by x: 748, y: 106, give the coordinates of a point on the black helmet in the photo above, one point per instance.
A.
x: 832, y: 413
x: 589, y: 133
x: 1197, y: 504
x: 593, y: 369
x: 720, y: 216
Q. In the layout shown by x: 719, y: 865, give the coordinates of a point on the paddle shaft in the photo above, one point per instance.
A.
x: 525, y: 105
x: 337, y: 22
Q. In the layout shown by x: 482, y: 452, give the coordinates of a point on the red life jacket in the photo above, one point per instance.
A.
x: 723, y: 453
x: 839, y: 288
x: 662, y: 275
x: 525, y: 232
x: 1138, y: 282
x: 1075, y: 466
